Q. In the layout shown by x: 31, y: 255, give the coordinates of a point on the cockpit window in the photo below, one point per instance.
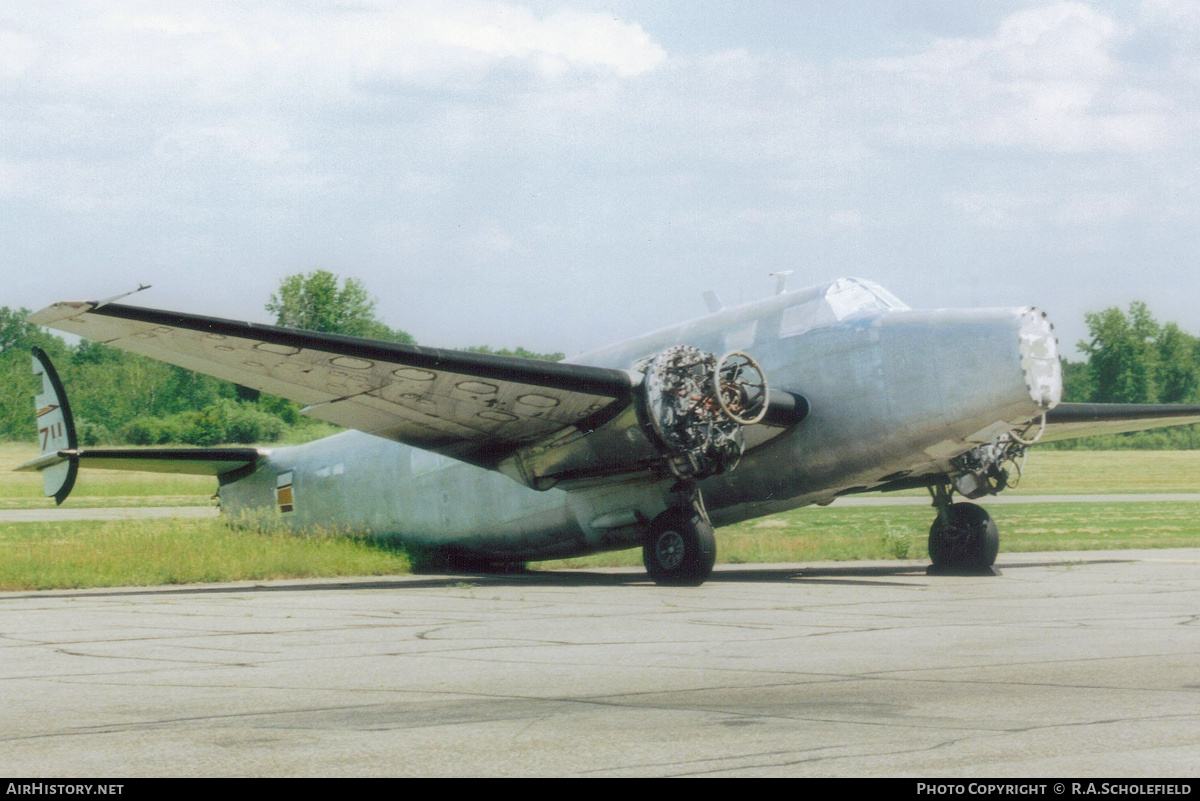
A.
x: 844, y: 298
x: 887, y: 298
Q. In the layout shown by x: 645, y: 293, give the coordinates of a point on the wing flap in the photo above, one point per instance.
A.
x: 475, y: 407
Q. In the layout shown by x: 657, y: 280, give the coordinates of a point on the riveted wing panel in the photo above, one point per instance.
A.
x: 475, y: 407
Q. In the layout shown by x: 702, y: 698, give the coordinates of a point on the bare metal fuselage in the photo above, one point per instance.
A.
x: 893, y: 393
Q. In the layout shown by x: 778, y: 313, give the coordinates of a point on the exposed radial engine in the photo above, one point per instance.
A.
x: 697, y: 404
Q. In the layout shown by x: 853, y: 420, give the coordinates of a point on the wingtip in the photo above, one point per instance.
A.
x: 59, y: 311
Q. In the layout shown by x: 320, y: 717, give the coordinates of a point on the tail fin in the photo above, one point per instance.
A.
x: 61, y: 456
x: 56, y: 430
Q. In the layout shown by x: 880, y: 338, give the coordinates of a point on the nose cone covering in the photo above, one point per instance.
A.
x: 1039, y: 359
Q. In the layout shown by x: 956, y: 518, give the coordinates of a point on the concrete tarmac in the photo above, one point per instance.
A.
x: 1080, y: 664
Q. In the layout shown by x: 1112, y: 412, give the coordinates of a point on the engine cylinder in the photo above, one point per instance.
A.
x: 696, y: 406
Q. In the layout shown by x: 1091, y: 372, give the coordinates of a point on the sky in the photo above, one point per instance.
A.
x: 559, y: 176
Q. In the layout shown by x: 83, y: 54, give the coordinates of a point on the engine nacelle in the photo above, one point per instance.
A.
x: 687, y: 418
x: 695, y: 406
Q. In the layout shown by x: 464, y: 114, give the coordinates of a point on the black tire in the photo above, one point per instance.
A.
x: 969, y: 541
x: 680, y: 549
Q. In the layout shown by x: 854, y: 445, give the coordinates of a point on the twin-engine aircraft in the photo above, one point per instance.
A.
x: 795, y: 399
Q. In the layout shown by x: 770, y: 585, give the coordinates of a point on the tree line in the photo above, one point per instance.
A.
x: 1129, y: 357
x: 122, y: 398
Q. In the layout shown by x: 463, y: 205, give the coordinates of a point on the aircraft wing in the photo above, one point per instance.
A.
x: 1072, y: 420
x: 475, y: 407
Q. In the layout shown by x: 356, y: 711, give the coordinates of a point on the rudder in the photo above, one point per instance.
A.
x: 55, y: 428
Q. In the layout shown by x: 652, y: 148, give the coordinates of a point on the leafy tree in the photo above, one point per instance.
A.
x: 1178, y: 376
x: 315, y: 302
x: 1077, y: 381
x: 183, y: 390
x: 18, y: 334
x: 1132, y: 359
x: 89, y: 352
x: 520, y: 353
x: 16, y: 398
x: 117, y: 388
x: 17, y: 337
x: 1122, y: 357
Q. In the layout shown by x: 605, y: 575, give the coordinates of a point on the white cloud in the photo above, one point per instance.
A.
x: 1094, y: 209
x: 997, y: 209
x: 847, y: 220
x: 1180, y: 16
x: 229, y: 51
x: 1065, y: 207
x: 556, y: 42
x: 11, y: 176
x: 17, y: 53
x: 249, y: 142
x: 1048, y: 79
x: 485, y: 240
x: 183, y: 94
x: 406, y: 137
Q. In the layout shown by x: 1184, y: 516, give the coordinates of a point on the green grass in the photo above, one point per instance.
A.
x: 92, y: 554
x: 153, y: 552
x: 1104, y: 473
x: 37, y: 556
x: 1108, y: 472
x: 816, y: 534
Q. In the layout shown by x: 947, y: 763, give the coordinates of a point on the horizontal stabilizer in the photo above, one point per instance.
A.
x: 192, y: 461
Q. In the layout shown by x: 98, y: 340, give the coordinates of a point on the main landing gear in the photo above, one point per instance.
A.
x: 681, y: 546
x: 963, y: 539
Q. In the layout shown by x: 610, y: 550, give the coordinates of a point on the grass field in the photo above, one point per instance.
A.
x: 88, y: 554
x: 1105, y: 473
x: 817, y: 534
x: 36, y: 556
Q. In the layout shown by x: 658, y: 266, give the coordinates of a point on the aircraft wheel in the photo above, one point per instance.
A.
x: 680, y: 549
x: 969, y: 541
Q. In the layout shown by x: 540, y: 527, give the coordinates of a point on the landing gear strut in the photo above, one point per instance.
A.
x: 681, y: 546
x: 963, y: 539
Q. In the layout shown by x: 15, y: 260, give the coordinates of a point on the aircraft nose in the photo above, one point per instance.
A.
x: 1039, y: 358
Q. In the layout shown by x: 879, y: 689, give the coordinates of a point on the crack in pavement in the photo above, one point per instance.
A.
x: 595, y: 676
